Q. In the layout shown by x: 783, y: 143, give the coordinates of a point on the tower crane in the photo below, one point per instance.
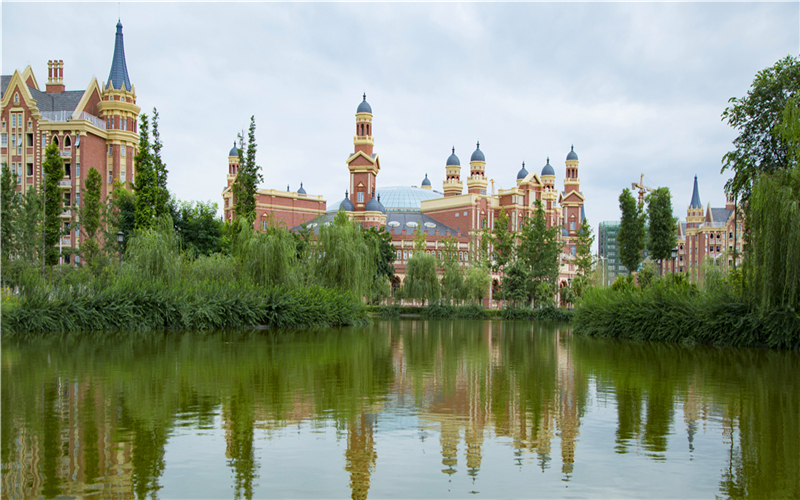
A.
x: 642, y: 188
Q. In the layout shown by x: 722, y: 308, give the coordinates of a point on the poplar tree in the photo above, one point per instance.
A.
x: 539, y: 250
x: 247, y: 178
x: 90, y: 216
x: 8, y: 183
x: 53, y: 167
x: 630, y: 237
x: 662, y: 235
x: 583, y: 257
x: 146, y: 186
x: 161, y: 198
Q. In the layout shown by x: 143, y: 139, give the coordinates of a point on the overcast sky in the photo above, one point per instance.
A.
x: 637, y: 88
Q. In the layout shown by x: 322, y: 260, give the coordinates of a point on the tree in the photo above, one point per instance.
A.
x: 197, y: 224
x: 380, y: 244
x: 539, y: 250
x: 476, y: 282
x: 452, y: 273
x: 90, y: 213
x: 8, y: 194
x: 247, y: 178
x: 28, y: 226
x: 342, y: 259
x: 161, y: 198
x: 146, y: 186
x: 662, y: 235
x: 584, y: 260
x: 630, y: 237
x: 53, y: 205
x: 502, y: 242
x: 758, y: 117
x: 120, y: 217
x: 422, y: 281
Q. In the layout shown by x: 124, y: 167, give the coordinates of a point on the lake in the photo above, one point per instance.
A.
x: 396, y: 409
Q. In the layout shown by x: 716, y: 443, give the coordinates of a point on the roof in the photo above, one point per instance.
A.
x: 721, y: 214
x: 695, y: 203
x: 234, y: 150
x: 118, y: 76
x: 395, y: 222
x: 477, y: 155
x: 62, y: 101
x: 364, y: 106
x: 399, y: 198
x: 426, y: 181
x: 453, y: 159
x: 548, y: 169
x: 301, y: 190
x: 572, y: 155
x: 4, y: 81
x: 522, y: 172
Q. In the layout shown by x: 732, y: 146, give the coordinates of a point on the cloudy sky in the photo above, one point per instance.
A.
x: 637, y: 88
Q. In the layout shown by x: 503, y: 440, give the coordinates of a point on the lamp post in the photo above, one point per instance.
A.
x: 120, y: 238
x: 674, y: 253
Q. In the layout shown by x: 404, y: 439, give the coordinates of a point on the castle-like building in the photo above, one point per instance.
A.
x: 402, y: 210
x: 95, y: 127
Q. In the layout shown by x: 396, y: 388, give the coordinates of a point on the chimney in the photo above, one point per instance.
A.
x: 55, y: 77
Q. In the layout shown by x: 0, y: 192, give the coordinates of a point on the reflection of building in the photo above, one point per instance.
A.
x: 360, y: 455
x: 402, y: 210
x: 93, y: 128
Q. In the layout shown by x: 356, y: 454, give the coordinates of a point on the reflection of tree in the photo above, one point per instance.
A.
x: 629, y: 416
x: 360, y: 456
x: 51, y: 430
x: 148, y: 439
x: 91, y: 437
x: 239, y: 420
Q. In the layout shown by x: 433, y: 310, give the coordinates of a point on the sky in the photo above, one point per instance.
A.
x: 637, y: 88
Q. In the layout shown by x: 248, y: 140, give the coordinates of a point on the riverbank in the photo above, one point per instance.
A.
x: 471, y: 311
x: 664, y: 313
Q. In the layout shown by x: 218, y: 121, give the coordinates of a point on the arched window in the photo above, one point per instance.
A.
x: 368, y: 129
x: 55, y: 140
x: 67, y: 141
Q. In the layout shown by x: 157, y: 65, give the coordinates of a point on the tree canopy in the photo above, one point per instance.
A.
x: 630, y: 237
x: 248, y: 176
x: 662, y: 235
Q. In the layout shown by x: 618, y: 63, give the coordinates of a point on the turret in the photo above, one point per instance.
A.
x: 694, y: 213
x: 363, y: 140
x: 452, y: 182
x: 571, y: 181
x: 476, y: 182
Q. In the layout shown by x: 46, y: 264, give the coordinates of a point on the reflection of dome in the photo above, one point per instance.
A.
x: 453, y: 159
x: 477, y: 155
x: 234, y: 150
x: 522, y: 172
x: 397, y: 199
x: 572, y: 155
x: 548, y: 169
x: 364, y: 107
x: 426, y: 181
x: 346, y: 204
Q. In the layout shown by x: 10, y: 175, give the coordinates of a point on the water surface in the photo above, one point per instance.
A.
x: 403, y: 409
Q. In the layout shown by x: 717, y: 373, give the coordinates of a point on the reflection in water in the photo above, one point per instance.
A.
x: 95, y: 416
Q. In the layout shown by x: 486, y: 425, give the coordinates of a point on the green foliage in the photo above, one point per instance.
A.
x: 447, y: 311
x: 161, y: 199
x: 268, y: 258
x: 517, y: 285
x: 200, y: 229
x: 662, y: 233
x: 549, y: 313
x: 538, y: 253
x: 247, y: 178
x: 647, y: 275
x: 28, y: 226
x: 584, y: 260
x: 120, y: 217
x: 502, y: 241
x: 759, y: 119
x: 53, y: 167
x: 90, y: 216
x: 146, y: 182
x: 772, y: 264
x: 152, y: 254
x: 476, y: 282
x: 453, y: 289
x: 630, y: 237
x: 342, y: 257
x: 8, y: 201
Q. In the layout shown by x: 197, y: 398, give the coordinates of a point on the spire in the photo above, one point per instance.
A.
x: 118, y: 76
x: 695, y: 196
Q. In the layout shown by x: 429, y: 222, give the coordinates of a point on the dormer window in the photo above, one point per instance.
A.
x: 16, y: 98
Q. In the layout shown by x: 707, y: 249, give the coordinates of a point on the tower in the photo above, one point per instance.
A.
x: 694, y: 213
x: 363, y: 164
x: 452, y: 182
x: 233, y: 164
x: 549, y: 193
x: 571, y: 181
x: 476, y: 182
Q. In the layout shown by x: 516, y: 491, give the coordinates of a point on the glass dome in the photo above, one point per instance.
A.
x: 399, y: 198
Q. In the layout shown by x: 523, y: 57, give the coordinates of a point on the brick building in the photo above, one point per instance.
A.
x: 450, y: 213
x: 93, y: 128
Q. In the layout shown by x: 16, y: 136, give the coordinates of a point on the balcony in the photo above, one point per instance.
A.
x: 66, y: 153
x: 66, y: 241
x: 67, y: 213
x: 65, y: 116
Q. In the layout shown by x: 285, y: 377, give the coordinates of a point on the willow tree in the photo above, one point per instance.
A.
x: 422, y: 280
x: 342, y: 258
x: 268, y: 258
x: 452, y: 273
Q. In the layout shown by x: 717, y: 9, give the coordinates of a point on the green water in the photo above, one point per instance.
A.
x: 400, y: 409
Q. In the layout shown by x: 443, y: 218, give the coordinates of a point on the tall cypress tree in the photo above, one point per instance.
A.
x: 248, y: 177
x: 146, y: 185
x: 630, y: 237
x: 161, y: 198
x: 53, y: 206
x: 8, y: 183
x: 90, y: 216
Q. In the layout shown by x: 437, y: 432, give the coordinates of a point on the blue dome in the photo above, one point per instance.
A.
x: 477, y: 155
x: 522, y: 172
x: 373, y: 205
x: 234, y: 150
x: 364, y: 107
x: 453, y: 159
x: 346, y: 204
x: 396, y: 199
x: 301, y: 190
x: 572, y: 155
x: 426, y: 181
x: 548, y: 169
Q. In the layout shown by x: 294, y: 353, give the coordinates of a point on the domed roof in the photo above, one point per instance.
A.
x: 364, y: 107
x: 453, y: 159
x: 346, y: 204
x: 572, y: 155
x: 396, y: 199
x: 522, y: 172
x: 373, y: 205
x: 301, y: 190
x: 234, y: 150
x: 548, y: 169
x: 477, y: 155
x: 426, y: 181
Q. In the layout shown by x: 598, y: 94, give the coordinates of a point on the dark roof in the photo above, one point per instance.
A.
x: 364, y: 106
x: 477, y: 155
x: 346, y: 204
x: 4, y: 81
x: 234, y: 150
x: 62, y: 101
x: 548, y: 169
x: 373, y: 205
x: 426, y: 181
x: 523, y: 172
x: 721, y: 214
x: 695, y: 203
x: 572, y: 155
x: 453, y: 159
x: 395, y: 222
x: 118, y: 76
x: 301, y: 190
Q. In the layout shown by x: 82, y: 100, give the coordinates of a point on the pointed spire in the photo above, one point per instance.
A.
x: 695, y: 196
x: 479, y: 145
x: 365, y: 96
x: 454, y: 150
x: 118, y: 76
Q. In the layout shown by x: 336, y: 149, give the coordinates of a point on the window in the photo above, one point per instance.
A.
x: 3, y: 139
x: 30, y: 169
x: 110, y: 150
x: 66, y: 199
x: 122, y: 150
x: 361, y: 197
x: 78, y: 170
x: 124, y: 123
x: 13, y: 120
x: 67, y: 170
x: 456, y: 214
x: 16, y: 98
x: 110, y: 176
x: 122, y: 176
x: 67, y: 142
x: 717, y: 248
x: 572, y: 227
x: 264, y: 225
x: 78, y: 203
x: 29, y: 142
x: 44, y: 141
x: 465, y: 214
x: 572, y: 250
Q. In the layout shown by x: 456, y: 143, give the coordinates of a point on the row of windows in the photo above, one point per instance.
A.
x: 16, y: 140
x: 407, y: 254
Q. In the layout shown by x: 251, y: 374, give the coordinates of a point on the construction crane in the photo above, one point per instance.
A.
x: 642, y: 188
